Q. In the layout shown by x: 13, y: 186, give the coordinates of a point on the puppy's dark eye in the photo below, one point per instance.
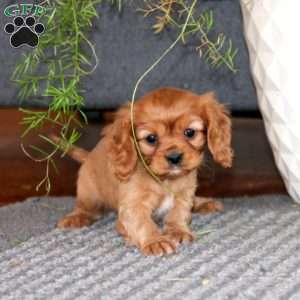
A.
x: 152, y: 139
x: 189, y: 132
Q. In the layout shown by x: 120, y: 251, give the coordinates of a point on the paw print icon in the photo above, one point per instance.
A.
x: 24, y: 32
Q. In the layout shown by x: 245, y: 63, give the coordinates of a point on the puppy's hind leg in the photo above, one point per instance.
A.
x: 207, y: 205
x: 87, y: 209
x: 85, y: 213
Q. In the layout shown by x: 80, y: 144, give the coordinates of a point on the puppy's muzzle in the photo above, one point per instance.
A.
x: 174, y: 158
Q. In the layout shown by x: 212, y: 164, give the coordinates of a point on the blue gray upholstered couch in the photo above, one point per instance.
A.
x: 126, y: 45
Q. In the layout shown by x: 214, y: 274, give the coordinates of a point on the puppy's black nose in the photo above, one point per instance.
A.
x: 174, y: 158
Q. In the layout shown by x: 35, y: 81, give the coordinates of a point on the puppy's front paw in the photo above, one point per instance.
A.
x: 75, y: 221
x: 158, y: 247
x: 178, y: 236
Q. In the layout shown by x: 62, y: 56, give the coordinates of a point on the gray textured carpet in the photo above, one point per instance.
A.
x: 253, y: 253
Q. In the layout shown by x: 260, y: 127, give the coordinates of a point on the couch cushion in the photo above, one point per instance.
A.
x: 126, y: 46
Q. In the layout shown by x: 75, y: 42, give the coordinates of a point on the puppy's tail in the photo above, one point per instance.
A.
x: 75, y: 152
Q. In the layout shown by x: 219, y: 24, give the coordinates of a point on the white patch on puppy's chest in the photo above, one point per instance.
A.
x: 165, y: 206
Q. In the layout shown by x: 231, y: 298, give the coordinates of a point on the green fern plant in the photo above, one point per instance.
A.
x: 215, y: 50
x: 61, y: 56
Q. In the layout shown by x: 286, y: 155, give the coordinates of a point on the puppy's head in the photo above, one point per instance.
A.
x: 172, y: 127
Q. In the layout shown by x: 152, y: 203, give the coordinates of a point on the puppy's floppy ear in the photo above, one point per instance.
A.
x: 218, y: 125
x: 121, y: 149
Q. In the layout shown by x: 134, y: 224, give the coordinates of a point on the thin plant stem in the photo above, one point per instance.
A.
x: 141, y: 78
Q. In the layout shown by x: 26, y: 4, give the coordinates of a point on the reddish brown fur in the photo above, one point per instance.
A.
x: 113, y: 177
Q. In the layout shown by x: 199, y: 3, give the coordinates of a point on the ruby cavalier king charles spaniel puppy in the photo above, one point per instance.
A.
x: 172, y: 128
